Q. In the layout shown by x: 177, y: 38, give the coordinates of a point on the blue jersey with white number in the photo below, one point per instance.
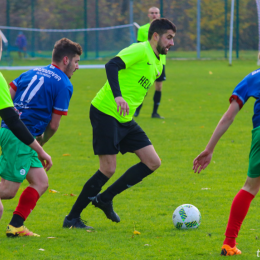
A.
x: 39, y: 93
x: 249, y: 87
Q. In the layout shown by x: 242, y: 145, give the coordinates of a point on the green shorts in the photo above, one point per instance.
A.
x: 254, y: 156
x: 17, y: 158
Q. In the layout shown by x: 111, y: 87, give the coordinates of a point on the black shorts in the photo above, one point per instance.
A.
x: 163, y: 75
x: 111, y: 137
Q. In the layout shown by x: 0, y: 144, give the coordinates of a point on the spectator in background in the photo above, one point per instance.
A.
x: 142, y: 36
x: 21, y: 42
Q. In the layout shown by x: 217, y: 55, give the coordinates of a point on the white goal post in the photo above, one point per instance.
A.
x: 5, y: 41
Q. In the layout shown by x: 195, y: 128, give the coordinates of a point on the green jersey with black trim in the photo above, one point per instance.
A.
x: 5, y: 97
x: 142, y: 36
x: 142, y: 68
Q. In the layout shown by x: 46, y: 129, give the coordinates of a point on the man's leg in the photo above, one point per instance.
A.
x: 157, y: 99
x: 150, y: 161
x: 38, y: 181
x: 137, y: 111
x: 238, y: 212
x: 8, y: 190
x: 91, y: 188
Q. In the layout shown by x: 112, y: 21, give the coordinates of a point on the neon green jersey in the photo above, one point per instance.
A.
x: 142, y: 68
x: 5, y: 97
x: 142, y: 36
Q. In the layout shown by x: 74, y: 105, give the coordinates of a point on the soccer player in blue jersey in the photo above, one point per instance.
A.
x: 41, y: 96
x: 248, y: 87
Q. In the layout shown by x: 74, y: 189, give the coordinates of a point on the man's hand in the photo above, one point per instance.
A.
x: 122, y: 104
x: 202, y: 161
x: 45, y: 160
x: 42, y: 155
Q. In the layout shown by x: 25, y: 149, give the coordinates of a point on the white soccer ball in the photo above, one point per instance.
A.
x: 186, y: 216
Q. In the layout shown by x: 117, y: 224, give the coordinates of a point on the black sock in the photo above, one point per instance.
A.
x: 91, y: 188
x: 16, y: 221
x: 138, y: 109
x: 131, y: 177
x: 156, y: 99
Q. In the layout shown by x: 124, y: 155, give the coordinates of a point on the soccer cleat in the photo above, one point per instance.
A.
x: 75, y: 223
x: 107, y: 208
x: 227, y: 250
x: 12, y: 231
x: 156, y: 115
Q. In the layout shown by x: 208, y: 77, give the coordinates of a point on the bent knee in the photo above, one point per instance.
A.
x: 43, y: 187
x: 8, y: 195
x: 108, y: 171
x: 154, y: 164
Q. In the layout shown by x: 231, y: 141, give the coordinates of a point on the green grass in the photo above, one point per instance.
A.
x: 193, y: 101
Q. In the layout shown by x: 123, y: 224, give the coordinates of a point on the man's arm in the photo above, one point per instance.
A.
x: 19, y: 129
x: 12, y: 92
x: 112, y: 68
x: 50, y: 130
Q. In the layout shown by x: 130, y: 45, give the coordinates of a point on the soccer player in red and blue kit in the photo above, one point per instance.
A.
x: 41, y: 96
x: 248, y: 87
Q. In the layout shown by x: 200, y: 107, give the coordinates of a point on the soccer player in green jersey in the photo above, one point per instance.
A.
x: 130, y: 74
x: 142, y: 36
x: 11, y: 118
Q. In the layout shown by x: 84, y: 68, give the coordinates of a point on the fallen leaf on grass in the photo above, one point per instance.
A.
x: 41, y: 249
x: 136, y: 232
x: 53, y: 191
x: 51, y: 237
x: 72, y: 195
x: 65, y: 194
x: 66, y: 154
x: 210, y: 72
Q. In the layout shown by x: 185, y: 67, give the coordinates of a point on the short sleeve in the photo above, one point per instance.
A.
x: 132, y: 54
x: 240, y: 93
x: 14, y: 84
x: 61, y: 103
x: 140, y: 36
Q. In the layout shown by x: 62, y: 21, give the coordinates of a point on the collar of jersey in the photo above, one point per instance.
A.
x: 151, y: 49
x: 55, y: 66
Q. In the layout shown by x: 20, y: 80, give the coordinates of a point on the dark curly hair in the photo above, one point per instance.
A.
x: 161, y: 26
x: 65, y: 47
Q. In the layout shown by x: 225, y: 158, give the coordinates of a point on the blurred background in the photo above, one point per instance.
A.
x: 76, y: 19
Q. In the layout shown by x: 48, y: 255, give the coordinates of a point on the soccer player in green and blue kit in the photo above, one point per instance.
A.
x: 41, y: 96
x: 142, y: 36
x: 248, y: 87
x: 130, y: 74
x: 10, y: 116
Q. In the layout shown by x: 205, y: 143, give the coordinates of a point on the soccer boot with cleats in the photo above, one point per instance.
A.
x: 156, y: 115
x: 226, y: 250
x: 22, y: 231
x: 107, y: 208
x: 75, y: 223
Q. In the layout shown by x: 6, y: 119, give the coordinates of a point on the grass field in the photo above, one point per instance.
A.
x: 194, y: 98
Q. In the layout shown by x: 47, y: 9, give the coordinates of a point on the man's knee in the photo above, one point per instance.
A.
x: 42, y: 187
x: 154, y: 164
x: 108, y: 170
x: 7, y: 194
